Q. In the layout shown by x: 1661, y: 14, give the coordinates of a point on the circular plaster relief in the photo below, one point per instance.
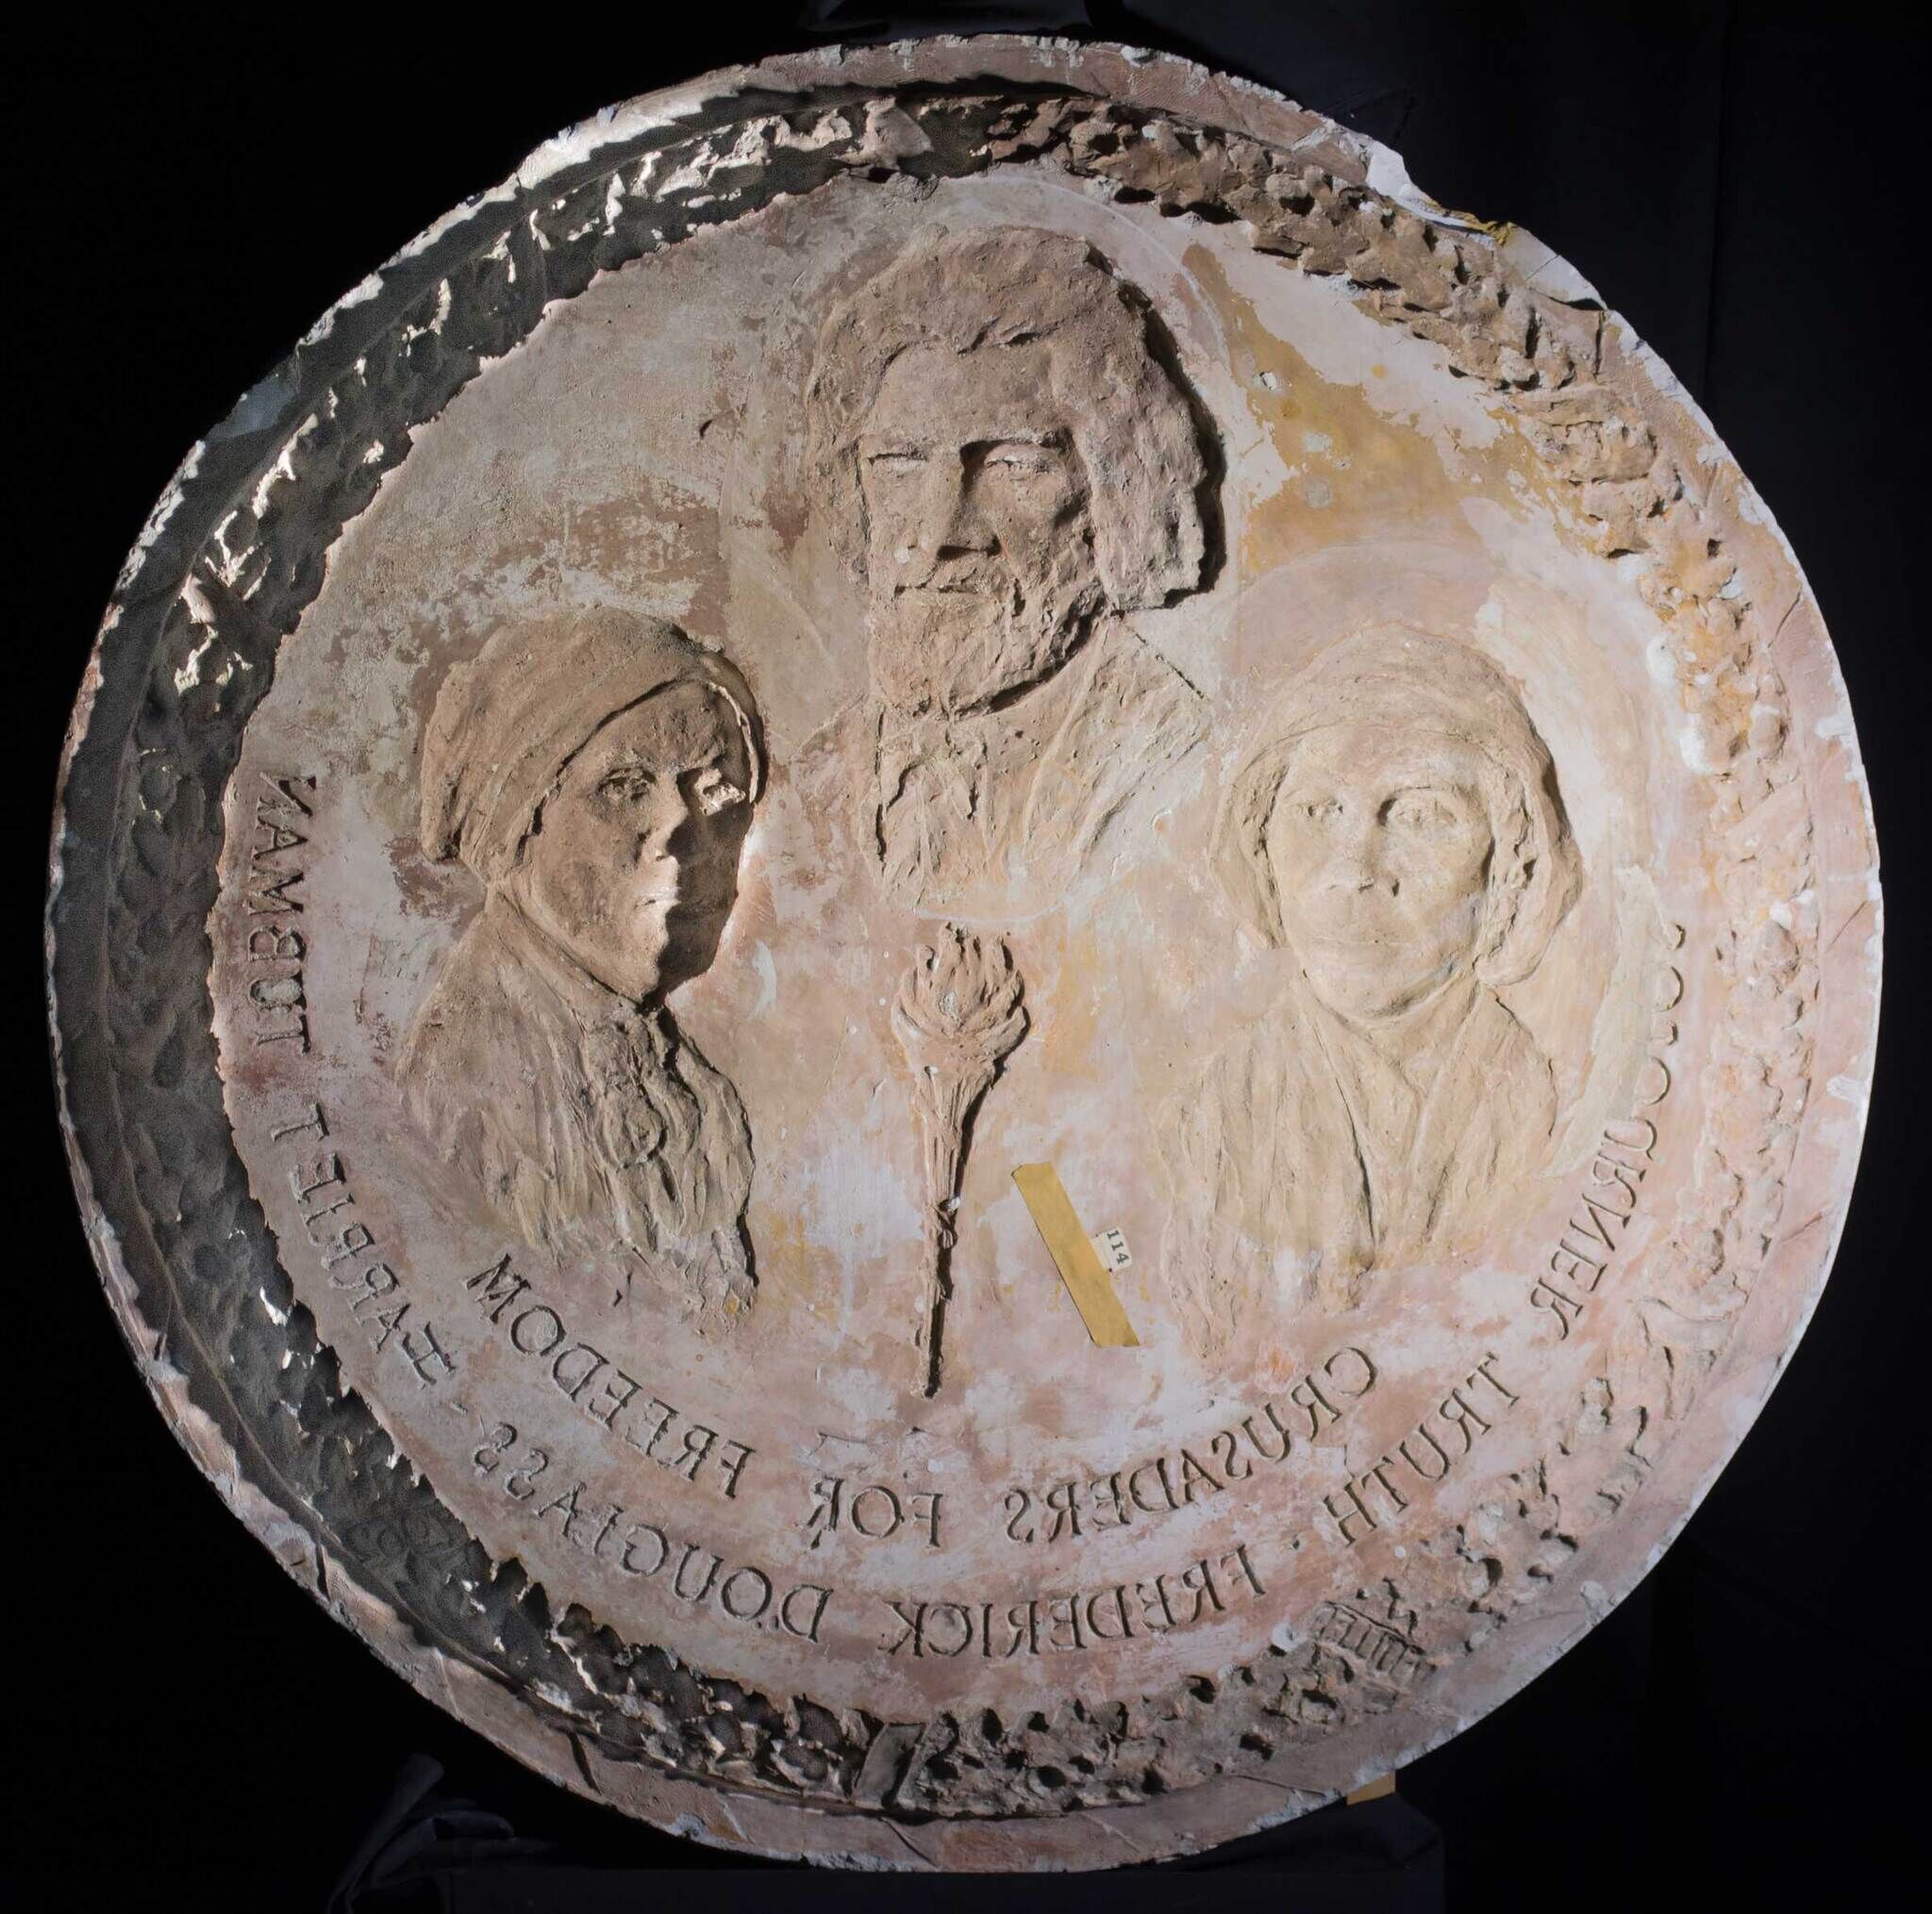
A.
x: 959, y: 965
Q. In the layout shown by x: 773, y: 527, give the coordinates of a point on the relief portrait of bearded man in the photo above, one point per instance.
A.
x: 1397, y: 831
x: 1009, y: 467
x: 595, y: 771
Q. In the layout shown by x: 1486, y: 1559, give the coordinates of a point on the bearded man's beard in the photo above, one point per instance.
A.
x: 952, y: 648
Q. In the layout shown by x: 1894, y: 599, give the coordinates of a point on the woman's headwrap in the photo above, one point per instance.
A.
x: 509, y: 720
x: 1391, y: 675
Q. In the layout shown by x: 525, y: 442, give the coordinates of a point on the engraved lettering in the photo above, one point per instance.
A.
x: 1155, y: 1486
x: 1607, y: 1204
x: 874, y: 1511
x: 273, y: 954
x: 586, y: 1377
x: 1070, y: 1621
x: 1427, y: 1454
x: 1373, y: 1648
x: 499, y: 1286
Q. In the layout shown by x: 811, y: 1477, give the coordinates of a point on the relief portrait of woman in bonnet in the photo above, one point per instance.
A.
x: 596, y: 772
x: 1397, y: 831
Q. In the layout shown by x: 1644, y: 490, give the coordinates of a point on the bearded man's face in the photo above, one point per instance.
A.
x: 980, y: 542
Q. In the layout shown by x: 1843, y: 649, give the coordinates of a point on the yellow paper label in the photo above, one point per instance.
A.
x: 1074, y: 1257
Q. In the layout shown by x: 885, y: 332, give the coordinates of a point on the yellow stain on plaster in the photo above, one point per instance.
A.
x: 1356, y: 473
x: 1083, y: 984
x: 787, y: 1258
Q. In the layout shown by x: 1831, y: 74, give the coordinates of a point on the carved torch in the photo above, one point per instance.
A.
x: 957, y: 1016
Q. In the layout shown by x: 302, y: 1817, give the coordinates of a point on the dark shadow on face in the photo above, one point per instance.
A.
x: 1163, y: 351
x: 633, y: 868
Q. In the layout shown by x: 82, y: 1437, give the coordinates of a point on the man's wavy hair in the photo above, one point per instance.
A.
x: 1131, y: 421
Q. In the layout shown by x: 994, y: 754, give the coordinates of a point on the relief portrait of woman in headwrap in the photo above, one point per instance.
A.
x: 596, y: 772
x: 1397, y: 832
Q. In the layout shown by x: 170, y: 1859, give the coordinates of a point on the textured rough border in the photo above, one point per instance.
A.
x: 235, y: 552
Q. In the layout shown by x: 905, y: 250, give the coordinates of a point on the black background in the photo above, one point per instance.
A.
x: 1738, y: 180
